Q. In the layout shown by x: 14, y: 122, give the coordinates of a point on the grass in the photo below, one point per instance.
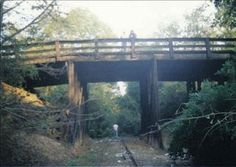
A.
x: 88, y: 158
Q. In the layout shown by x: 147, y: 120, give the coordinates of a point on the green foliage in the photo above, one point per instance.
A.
x: 202, y: 23
x: 29, y: 15
x: 55, y: 95
x: 114, y: 108
x: 104, y: 105
x: 171, y: 95
x: 15, y: 31
x: 207, y: 125
x: 87, y: 158
x: 12, y: 69
x: 169, y: 30
x: 198, y: 23
x: 226, y: 13
x: 13, y: 72
x: 129, y: 106
x: 228, y: 70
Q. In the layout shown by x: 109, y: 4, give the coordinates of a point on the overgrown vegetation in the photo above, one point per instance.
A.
x: 114, y: 108
x: 207, y: 124
x: 172, y: 96
x: 24, y: 118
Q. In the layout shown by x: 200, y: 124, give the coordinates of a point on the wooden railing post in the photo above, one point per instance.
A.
x: 96, y: 47
x: 208, y: 51
x: 132, y: 40
x: 124, y: 44
x: 57, y: 48
x: 171, y: 50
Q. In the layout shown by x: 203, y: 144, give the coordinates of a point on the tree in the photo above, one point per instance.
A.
x: 226, y: 13
x: 11, y: 28
x: 77, y: 24
x: 113, y: 108
x: 17, y: 118
x: 198, y: 23
x: 103, y: 104
x: 15, y: 31
x: 129, y: 110
x: 225, y: 17
x: 170, y: 30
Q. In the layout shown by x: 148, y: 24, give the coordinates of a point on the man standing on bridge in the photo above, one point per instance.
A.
x: 115, y: 128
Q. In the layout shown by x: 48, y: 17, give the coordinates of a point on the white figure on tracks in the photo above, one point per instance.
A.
x: 115, y: 128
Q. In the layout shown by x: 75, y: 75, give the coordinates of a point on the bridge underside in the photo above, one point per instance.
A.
x: 112, y: 71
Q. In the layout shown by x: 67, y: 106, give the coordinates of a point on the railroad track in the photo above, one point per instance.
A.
x: 129, y: 153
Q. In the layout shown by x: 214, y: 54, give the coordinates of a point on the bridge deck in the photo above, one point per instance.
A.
x: 114, y: 49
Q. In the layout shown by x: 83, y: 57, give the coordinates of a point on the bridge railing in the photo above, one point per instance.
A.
x: 123, y: 46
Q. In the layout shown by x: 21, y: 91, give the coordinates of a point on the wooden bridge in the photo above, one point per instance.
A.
x: 113, y: 49
x: 146, y: 61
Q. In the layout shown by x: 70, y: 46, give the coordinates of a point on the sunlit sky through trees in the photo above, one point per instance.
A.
x: 144, y: 17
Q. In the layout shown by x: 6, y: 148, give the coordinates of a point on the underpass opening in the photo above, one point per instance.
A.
x: 113, y: 103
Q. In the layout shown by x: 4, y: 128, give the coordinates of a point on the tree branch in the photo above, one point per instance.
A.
x: 211, y: 129
x: 9, y: 9
x: 31, y: 23
x: 197, y: 117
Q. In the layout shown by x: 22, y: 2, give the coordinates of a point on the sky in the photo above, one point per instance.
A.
x: 144, y: 17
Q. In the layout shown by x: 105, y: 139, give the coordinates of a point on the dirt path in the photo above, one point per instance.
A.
x: 111, y: 152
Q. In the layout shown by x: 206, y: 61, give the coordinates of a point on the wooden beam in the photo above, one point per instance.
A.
x: 71, y: 94
x: 150, y: 103
x: 155, y: 108
x: 71, y: 79
x: 85, y: 105
x: 76, y: 100
x: 144, y: 105
x: 57, y: 48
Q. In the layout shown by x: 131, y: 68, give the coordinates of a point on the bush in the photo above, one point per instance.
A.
x: 207, y: 125
x: 171, y: 95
